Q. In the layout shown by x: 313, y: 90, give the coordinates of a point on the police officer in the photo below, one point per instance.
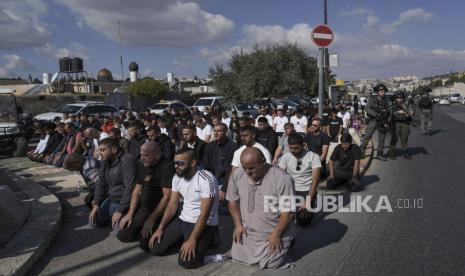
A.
x: 425, y: 106
x: 401, y: 117
x: 377, y: 111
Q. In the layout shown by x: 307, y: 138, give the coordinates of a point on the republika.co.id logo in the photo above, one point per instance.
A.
x: 339, y: 203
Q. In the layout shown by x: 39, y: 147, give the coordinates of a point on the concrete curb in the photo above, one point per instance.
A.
x: 27, y: 245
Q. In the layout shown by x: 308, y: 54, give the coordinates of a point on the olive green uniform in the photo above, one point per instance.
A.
x: 377, y: 111
x: 401, y: 117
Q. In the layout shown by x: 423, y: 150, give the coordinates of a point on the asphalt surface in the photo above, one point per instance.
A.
x: 407, y: 241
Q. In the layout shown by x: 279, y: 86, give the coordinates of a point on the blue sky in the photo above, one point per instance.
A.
x: 374, y: 39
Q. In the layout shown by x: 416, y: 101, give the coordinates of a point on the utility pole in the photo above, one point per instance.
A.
x: 326, y: 53
x: 121, y: 54
x: 323, y: 58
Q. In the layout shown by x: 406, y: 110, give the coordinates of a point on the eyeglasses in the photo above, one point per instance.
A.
x: 299, y: 163
x: 180, y: 163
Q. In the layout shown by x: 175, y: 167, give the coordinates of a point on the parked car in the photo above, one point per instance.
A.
x: 436, y: 100
x: 240, y: 108
x: 463, y: 100
x: 455, y: 98
x: 299, y: 100
x: 15, y: 126
x: 202, y: 102
x: 279, y: 103
x: 158, y: 108
x: 85, y: 107
x: 444, y: 101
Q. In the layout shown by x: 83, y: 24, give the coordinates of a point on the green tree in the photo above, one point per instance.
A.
x: 273, y: 71
x: 148, y: 87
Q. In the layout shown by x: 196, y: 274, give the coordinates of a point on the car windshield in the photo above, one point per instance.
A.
x: 8, y: 110
x: 70, y: 109
x: 244, y: 106
x: 455, y: 95
x: 159, y: 106
x: 203, y: 102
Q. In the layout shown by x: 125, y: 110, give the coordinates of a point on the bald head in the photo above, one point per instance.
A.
x: 150, y: 153
x: 254, y: 163
x: 252, y: 155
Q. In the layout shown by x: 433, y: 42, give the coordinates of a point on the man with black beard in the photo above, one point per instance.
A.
x: 116, y: 181
x: 266, y: 135
x: 189, y: 139
x: 136, y: 140
x: 198, y: 222
x: 167, y: 147
x: 149, y: 197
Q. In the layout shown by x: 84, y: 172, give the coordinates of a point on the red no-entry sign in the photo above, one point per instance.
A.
x: 322, y: 36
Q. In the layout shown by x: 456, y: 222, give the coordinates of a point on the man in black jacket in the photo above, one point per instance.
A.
x: 218, y: 156
x: 167, y: 147
x: 189, y: 139
x: 136, y: 141
x: 116, y: 181
x: 266, y: 135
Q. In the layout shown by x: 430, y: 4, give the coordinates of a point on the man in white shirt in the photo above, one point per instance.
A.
x: 304, y: 167
x: 345, y: 116
x: 279, y: 122
x: 204, y: 130
x: 198, y: 221
x: 248, y: 134
x: 263, y: 113
x: 225, y: 119
x: 299, y: 121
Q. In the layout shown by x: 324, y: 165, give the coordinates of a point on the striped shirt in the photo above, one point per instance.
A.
x: 202, y: 185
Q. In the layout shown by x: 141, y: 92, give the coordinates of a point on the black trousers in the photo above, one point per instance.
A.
x: 341, y: 177
x: 133, y: 233
x: 173, y: 236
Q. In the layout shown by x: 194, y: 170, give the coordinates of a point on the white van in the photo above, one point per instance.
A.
x: 202, y: 102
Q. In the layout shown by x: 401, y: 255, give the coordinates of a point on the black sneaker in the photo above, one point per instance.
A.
x: 392, y: 155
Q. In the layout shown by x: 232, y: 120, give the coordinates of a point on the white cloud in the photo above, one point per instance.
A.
x: 356, y: 12
x: 270, y: 34
x: 74, y: 50
x: 405, y: 18
x: 23, y: 24
x: 15, y: 65
x: 151, y: 23
x: 222, y: 55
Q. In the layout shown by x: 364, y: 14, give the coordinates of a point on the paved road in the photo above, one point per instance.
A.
x: 407, y: 241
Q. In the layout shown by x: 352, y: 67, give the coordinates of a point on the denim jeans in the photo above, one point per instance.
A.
x: 104, y: 214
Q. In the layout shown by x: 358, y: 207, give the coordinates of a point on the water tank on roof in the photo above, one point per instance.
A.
x: 133, y: 67
x: 65, y: 64
x: 77, y: 65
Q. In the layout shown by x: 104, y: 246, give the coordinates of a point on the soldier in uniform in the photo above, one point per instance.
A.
x: 377, y: 111
x: 425, y: 106
x: 401, y: 117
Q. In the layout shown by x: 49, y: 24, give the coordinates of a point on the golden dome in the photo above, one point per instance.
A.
x: 104, y: 75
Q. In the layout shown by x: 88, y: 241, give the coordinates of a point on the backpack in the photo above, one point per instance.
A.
x: 425, y: 103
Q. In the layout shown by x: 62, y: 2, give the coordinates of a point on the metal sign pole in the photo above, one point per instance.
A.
x: 321, y: 83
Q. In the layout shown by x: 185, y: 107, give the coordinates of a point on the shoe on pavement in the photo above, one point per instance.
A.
x: 380, y: 156
x: 392, y: 155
